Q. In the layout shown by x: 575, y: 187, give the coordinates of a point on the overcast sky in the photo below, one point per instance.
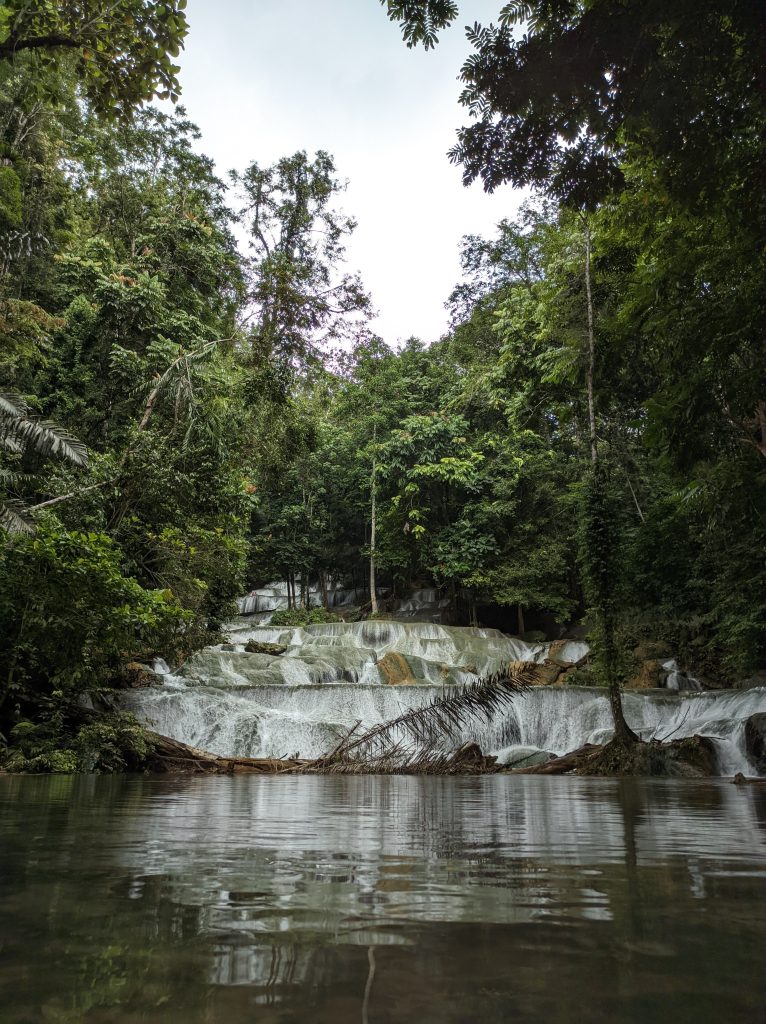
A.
x: 264, y: 78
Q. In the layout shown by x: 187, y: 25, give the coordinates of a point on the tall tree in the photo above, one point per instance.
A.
x: 301, y: 297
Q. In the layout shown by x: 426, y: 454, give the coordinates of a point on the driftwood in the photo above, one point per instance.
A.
x: 178, y: 758
x: 172, y: 756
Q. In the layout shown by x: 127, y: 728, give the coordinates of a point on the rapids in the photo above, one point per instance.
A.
x: 331, y: 676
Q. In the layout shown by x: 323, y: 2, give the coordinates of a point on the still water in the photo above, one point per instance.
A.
x: 250, y: 900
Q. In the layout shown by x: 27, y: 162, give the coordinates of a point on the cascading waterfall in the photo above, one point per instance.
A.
x: 331, y: 676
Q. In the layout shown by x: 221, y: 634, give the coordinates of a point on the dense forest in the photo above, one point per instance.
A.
x: 194, y: 402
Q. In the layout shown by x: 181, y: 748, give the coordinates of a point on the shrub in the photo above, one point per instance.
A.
x: 303, y: 617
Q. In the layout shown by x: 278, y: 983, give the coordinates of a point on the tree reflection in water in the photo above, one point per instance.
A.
x: 380, y: 900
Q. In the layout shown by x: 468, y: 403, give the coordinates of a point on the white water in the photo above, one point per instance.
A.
x: 257, y: 705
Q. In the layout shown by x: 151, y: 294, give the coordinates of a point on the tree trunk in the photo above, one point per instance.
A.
x: 591, y: 347
x: 323, y: 589
x: 622, y: 731
x: 373, y: 511
x: 520, y: 619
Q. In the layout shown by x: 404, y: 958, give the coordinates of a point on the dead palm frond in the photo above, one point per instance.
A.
x: 416, y: 734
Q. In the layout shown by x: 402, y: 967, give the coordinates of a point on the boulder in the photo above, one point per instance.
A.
x: 756, y: 680
x: 138, y: 676
x: 560, y: 653
x: 528, y: 760
x: 547, y: 673
x: 396, y: 670
x: 258, y: 647
x: 470, y: 757
x: 694, y: 755
x: 755, y: 740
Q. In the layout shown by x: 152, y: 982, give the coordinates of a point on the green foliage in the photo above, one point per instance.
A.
x: 122, y: 50
x: 302, y: 299
x: 69, y: 617
x: 421, y: 22
x: 10, y: 199
x: 303, y: 617
x: 114, y: 742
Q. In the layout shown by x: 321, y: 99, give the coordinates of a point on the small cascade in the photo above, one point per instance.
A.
x: 333, y: 675
x: 675, y: 679
x: 422, y: 606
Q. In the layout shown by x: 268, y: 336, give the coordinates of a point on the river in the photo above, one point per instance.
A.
x: 381, y: 900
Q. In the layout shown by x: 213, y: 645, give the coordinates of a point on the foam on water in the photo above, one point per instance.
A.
x: 235, y: 703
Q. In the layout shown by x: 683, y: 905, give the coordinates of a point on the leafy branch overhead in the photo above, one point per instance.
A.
x: 124, y: 49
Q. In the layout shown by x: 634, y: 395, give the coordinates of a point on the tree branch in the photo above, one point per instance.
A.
x: 13, y: 45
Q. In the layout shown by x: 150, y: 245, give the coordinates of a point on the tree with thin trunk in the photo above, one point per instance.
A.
x: 373, y: 510
x: 601, y: 529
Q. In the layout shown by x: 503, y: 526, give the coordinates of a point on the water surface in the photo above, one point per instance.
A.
x: 381, y: 900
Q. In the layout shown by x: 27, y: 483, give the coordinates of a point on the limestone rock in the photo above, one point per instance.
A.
x: 547, y: 673
x: 396, y: 670
x: 258, y: 647
x: 559, y: 652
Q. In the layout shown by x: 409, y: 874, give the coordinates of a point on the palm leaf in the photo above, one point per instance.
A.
x: 14, y: 518
x: 12, y: 406
x: 10, y: 478
x: 444, y: 717
x: 48, y: 439
x: 19, y: 430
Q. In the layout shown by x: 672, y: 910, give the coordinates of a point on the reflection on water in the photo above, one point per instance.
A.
x: 380, y: 900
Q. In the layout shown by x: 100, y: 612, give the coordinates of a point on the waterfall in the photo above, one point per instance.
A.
x: 334, y: 675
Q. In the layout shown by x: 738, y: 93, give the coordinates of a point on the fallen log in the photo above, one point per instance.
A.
x: 172, y: 756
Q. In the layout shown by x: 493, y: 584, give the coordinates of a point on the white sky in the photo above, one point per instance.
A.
x: 265, y: 78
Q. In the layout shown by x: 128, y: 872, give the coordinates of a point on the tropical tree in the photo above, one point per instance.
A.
x: 301, y: 298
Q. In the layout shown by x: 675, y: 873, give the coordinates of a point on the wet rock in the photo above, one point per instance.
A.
x: 470, y: 756
x: 258, y: 647
x: 696, y: 754
x: 567, y: 653
x: 759, y: 679
x: 755, y: 740
x: 529, y: 760
x: 396, y: 670
x: 137, y: 676
x: 547, y: 673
